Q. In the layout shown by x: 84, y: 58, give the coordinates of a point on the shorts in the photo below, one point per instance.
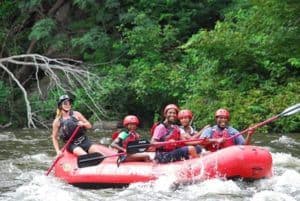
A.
x: 82, y: 142
x: 198, y: 148
x: 175, y: 155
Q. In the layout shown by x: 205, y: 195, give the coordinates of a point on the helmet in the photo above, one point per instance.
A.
x: 185, y: 113
x: 171, y: 106
x: 222, y: 112
x: 131, y: 119
x: 63, y: 98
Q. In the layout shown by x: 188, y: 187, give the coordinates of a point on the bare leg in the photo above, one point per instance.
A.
x: 79, y: 151
x: 138, y: 157
x: 93, y: 149
x: 192, y: 152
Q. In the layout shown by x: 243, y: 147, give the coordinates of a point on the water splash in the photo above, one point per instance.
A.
x: 272, y: 196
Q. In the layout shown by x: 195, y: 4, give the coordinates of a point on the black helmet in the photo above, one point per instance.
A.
x: 63, y: 98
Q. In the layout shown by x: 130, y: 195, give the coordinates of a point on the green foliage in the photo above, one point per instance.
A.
x: 144, y: 38
x: 42, y: 29
x: 46, y: 107
x: 248, y: 71
x: 7, y: 10
x: 295, y: 62
x: 27, y: 5
x: 92, y: 44
x: 84, y: 4
x: 241, y: 55
x: 4, y: 94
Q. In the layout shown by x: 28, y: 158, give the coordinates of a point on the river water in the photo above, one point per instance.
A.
x: 26, y: 154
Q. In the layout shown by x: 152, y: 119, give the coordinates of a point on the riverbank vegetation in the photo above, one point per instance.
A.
x: 201, y: 55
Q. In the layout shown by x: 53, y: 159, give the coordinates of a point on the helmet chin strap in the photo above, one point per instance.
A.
x: 66, y: 111
x: 61, y: 108
x: 222, y: 128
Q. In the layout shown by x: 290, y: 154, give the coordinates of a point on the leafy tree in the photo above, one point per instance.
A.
x: 202, y: 55
x: 244, y: 63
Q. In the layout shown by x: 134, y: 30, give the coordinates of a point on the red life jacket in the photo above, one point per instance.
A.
x: 219, y: 134
x: 115, y: 134
x: 133, y: 136
x: 153, y: 128
x: 172, y: 134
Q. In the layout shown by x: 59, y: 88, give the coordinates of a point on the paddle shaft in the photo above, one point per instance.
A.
x: 254, y: 127
x: 286, y: 112
x: 147, y: 144
x: 70, y: 140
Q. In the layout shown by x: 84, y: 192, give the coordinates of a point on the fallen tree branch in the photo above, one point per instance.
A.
x: 6, y: 125
x: 61, y: 74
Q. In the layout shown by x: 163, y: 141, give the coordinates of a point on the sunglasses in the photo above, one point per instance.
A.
x: 66, y: 102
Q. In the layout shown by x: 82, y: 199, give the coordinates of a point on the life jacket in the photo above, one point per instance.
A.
x: 153, y: 127
x: 115, y: 134
x: 219, y: 134
x: 67, y: 127
x: 172, y: 134
x: 133, y: 136
x: 191, y: 133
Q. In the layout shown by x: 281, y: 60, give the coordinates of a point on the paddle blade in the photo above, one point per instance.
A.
x: 291, y: 110
x: 89, y: 160
x: 137, y: 146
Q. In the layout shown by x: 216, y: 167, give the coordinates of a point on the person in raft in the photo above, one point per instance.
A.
x: 186, y: 130
x: 220, y: 135
x: 64, y: 125
x: 126, y: 136
x: 168, y: 131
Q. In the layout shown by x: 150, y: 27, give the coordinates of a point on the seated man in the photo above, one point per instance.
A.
x: 220, y: 135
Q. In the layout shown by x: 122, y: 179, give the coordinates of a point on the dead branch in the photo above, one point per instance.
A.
x: 61, y: 74
x: 6, y: 125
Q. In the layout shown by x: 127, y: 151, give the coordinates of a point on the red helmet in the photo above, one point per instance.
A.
x: 131, y: 119
x: 222, y: 112
x: 171, y: 106
x: 185, y: 113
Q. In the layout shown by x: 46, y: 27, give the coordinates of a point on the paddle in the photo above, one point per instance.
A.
x: 63, y: 149
x: 143, y: 145
x: 287, y: 112
x: 94, y: 159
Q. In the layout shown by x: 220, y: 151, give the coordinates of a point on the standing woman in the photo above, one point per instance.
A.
x: 65, y: 123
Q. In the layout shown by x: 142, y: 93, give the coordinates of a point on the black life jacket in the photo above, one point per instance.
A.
x: 68, y: 126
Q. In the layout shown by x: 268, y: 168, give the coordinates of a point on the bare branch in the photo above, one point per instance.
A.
x: 61, y: 74
x: 29, y: 114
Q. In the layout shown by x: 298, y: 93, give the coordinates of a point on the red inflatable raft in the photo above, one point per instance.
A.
x: 246, y: 162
